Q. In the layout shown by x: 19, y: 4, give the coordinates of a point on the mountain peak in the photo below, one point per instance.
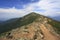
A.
x: 32, y: 26
x: 33, y: 14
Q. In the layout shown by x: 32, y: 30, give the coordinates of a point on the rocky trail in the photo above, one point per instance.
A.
x: 32, y: 31
x: 48, y: 35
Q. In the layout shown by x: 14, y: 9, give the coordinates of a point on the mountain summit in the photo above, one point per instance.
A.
x: 30, y: 27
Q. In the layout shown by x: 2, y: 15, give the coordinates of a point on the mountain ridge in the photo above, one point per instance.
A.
x: 31, y: 17
x: 31, y: 21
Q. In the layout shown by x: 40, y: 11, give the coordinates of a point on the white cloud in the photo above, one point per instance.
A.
x: 13, y: 12
x: 47, y: 5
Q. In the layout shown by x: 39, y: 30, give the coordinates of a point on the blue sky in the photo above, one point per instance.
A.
x: 18, y: 8
x: 15, y: 3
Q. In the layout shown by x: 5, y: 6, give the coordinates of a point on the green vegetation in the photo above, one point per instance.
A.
x: 3, y: 34
x: 18, y: 23
x: 56, y: 25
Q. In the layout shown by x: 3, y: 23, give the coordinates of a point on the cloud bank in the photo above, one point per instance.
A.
x: 44, y: 7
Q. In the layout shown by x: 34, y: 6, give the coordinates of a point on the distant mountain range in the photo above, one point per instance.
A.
x: 1, y: 21
x: 56, y: 18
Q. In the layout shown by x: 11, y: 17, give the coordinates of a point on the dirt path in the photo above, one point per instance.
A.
x: 47, y: 34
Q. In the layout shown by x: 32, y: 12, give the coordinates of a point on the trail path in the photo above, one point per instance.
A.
x: 48, y: 35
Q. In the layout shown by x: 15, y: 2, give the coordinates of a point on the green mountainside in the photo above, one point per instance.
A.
x: 19, y: 22
x: 32, y: 17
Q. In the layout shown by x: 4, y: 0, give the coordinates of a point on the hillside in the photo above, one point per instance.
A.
x: 30, y: 27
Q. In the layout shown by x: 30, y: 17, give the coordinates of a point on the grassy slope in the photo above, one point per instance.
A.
x: 18, y: 23
x: 56, y: 25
